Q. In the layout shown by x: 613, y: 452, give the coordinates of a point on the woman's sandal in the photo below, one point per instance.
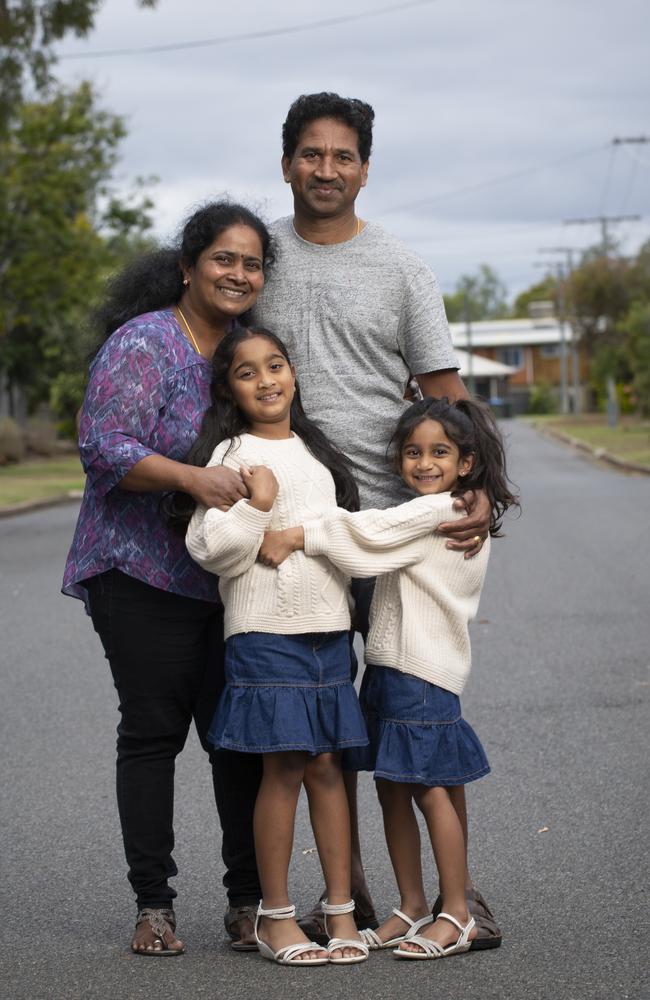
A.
x: 289, y: 955
x: 162, y: 922
x: 374, y: 942
x: 431, y: 949
x: 337, y: 944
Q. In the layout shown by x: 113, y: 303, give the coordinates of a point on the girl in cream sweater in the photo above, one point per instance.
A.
x: 288, y: 693
x: 418, y: 655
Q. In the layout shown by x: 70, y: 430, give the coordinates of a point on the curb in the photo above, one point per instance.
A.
x: 29, y: 505
x: 599, y: 453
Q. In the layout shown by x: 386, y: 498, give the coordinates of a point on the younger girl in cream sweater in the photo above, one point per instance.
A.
x: 418, y: 655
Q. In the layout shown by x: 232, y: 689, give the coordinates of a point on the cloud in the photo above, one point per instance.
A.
x: 464, y: 92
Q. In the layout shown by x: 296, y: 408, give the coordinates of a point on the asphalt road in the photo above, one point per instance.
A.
x: 559, y: 695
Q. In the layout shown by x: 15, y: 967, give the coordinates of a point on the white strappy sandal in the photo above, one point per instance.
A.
x: 289, y: 955
x: 431, y: 949
x: 374, y: 942
x: 334, y: 944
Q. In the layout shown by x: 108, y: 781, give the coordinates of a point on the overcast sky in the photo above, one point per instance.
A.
x: 466, y: 92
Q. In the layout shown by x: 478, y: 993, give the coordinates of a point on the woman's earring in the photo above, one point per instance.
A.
x: 186, y: 281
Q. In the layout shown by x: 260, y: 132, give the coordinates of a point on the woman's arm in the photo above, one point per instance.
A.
x: 227, y: 542
x: 214, y: 486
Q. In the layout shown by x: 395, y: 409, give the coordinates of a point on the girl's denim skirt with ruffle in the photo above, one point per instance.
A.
x: 416, y: 731
x: 288, y: 692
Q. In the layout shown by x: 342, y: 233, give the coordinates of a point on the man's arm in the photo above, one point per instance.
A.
x: 443, y: 383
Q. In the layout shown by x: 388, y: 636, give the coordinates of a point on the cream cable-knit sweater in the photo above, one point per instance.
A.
x: 304, y: 594
x: 423, y: 604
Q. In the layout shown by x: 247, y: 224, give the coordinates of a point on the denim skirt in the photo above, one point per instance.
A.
x: 416, y: 732
x: 288, y: 692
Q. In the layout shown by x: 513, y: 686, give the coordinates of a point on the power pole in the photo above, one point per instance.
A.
x: 561, y: 274
x: 603, y: 221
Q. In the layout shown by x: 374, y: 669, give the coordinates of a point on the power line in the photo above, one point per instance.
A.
x: 249, y: 35
x: 481, y: 185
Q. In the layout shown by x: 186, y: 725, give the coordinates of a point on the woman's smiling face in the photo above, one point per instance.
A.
x: 228, y: 275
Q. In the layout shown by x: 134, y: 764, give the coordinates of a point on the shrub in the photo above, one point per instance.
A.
x: 542, y: 399
x: 12, y: 441
x: 40, y: 437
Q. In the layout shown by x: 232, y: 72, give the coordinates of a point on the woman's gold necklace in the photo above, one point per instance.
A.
x: 189, y: 330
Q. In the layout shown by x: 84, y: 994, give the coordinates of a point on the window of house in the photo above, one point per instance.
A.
x: 513, y: 356
x: 550, y: 350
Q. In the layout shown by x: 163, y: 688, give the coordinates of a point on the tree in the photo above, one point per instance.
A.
x: 543, y: 291
x: 28, y: 29
x: 61, y: 231
x: 479, y: 296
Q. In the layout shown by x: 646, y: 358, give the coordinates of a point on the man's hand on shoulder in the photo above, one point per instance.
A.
x: 468, y: 534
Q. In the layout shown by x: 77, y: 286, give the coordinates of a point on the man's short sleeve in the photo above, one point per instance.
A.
x: 423, y: 334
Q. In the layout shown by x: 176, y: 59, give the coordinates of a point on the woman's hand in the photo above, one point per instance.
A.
x: 278, y: 546
x: 468, y: 534
x: 216, y: 486
x: 261, y: 484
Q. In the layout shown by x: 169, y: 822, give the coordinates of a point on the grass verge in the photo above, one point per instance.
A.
x: 39, y: 480
x: 629, y: 440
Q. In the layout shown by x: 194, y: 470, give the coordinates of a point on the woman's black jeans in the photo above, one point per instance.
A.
x: 166, y: 654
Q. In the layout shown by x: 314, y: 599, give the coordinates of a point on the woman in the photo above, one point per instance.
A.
x: 157, y: 613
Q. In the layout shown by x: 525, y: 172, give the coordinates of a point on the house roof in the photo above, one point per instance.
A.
x: 482, y: 367
x: 509, y: 333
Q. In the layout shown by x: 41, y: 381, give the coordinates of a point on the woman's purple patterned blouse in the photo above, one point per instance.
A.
x: 147, y: 394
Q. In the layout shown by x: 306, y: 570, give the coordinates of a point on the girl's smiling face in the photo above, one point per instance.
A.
x: 430, y: 461
x: 262, y: 383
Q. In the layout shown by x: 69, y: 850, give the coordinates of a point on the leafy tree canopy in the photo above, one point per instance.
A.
x: 478, y: 296
x: 28, y: 30
x: 61, y: 231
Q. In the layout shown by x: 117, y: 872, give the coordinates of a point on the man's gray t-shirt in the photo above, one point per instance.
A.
x: 358, y: 319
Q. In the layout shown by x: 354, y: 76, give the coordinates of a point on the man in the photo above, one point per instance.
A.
x: 360, y: 314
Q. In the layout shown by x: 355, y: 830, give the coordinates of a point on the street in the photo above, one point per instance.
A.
x: 558, y: 694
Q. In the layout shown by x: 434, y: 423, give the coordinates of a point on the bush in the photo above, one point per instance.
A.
x: 40, y: 437
x: 12, y: 441
x: 542, y: 399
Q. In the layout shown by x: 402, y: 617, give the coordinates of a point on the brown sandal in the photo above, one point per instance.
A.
x: 162, y: 923
x: 488, y: 933
x: 232, y: 919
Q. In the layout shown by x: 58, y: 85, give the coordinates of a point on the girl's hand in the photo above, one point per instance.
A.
x: 262, y: 486
x: 468, y: 534
x: 216, y: 486
x: 278, y: 546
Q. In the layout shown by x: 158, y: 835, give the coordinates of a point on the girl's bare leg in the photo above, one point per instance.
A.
x: 448, y: 842
x: 273, y: 825
x: 403, y: 840
x: 330, y: 820
x: 358, y: 876
x: 457, y: 796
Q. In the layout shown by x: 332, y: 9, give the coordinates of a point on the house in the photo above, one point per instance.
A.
x: 531, y: 349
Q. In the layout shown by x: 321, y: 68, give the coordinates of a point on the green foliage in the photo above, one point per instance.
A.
x: 61, y: 232
x: 479, y: 296
x: 28, y: 29
x: 542, y: 399
x: 543, y: 291
x: 636, y: 330
x: 66, y: 396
